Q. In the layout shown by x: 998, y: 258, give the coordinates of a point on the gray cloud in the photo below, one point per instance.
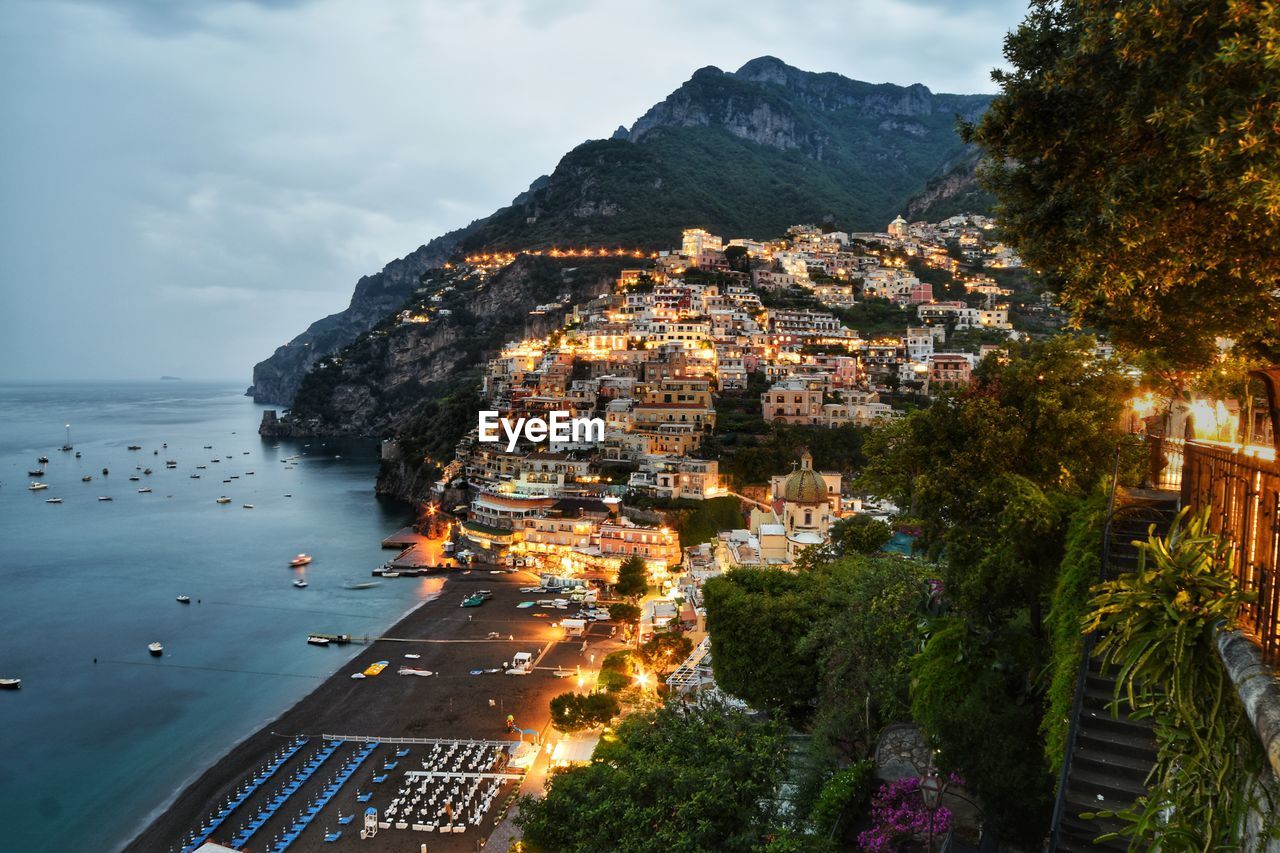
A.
x: 187, y: 185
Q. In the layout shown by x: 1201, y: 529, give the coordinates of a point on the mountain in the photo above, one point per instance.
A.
x: 744, y: 153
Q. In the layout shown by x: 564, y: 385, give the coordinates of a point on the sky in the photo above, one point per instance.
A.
x: 187, y: 184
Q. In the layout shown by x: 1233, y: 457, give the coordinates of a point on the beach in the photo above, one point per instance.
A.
x: 452, y: 642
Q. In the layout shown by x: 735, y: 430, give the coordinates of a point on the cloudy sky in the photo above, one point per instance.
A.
x: 185, y: 185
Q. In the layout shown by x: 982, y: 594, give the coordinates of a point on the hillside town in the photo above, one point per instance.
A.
x: 764, y: 322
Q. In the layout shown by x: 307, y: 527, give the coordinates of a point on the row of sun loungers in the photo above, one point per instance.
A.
x: 453, y: 798
x: 282, y: 796
x: 243, y: 792
x: 327, y: 793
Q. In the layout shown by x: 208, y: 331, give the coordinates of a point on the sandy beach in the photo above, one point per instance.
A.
x: 452, y: 642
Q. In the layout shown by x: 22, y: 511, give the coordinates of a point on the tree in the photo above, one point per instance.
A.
x: 633, y: 578
x: 1135, y: 157
x: 974, y: 694
x: 696, y: 778
x: 989, y: 471
x: 737, y: 259
x: 573, y: 711
x: 664, y: 650
x: 622, y: 611
x: 860, y: 534
x: 757, y: 619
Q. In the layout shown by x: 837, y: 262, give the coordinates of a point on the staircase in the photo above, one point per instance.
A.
x: 1108, y: 755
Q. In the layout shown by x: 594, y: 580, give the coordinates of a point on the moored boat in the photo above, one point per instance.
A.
x: 85, y: 479
x: 43, y: 460
x: 145, y: 491
x: 35, y: 487
x: 135, y: 447
x: 54, y: 501
x: 299, y: 561
x: 156, y: 649
x: 36, y: 473
x: 360, y: 584
x: 300, y: 583
x: 104, y: 497
x: 184, y: 599
x: 317, y: 640
x: 247, y: 506
x: 223, y: 500
x: 10, y: 683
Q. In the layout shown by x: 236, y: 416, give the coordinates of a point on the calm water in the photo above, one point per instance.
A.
x: 89, y: 751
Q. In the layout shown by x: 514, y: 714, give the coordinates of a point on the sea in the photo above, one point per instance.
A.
x: 102, y: 735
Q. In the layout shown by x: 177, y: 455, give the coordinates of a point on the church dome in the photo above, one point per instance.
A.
x: 805, y: 486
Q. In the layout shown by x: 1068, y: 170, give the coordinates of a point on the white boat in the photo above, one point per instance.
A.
x: 10, y: 683
x: 156, y: 649
x: 54, y: 501
x: 316, y: 640
x: 300, y: 583
x: 247, y: 506
x: 299, y: 561
x: 146, y: 491
x: 408, y: 670
x: 360, y: 585
x: 195, y: 476
x: 86, y: 478
x: 104, y: 497
x: 35, y: 487
x: 184, y: 599
x: 223, y: 500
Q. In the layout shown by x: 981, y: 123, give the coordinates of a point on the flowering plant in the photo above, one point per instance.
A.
x: 898, y: 815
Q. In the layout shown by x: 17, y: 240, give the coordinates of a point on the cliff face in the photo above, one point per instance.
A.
x: 384, y: 381
x: 276, y: 379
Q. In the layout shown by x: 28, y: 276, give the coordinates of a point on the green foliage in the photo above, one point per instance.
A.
x: 633, y: 578
x: 706, y: 518
x: 695, y: 778
x: 875, y: 316
x: 834, y: 449
x: 571, y: 712
x: 860, y: 534
x: 622, y: 611
x: 1158, y: 626
x: 1135, y: 155
x: 665, y: 650
x: 758, y: 619
x: 844, y: 802
x: 989, y: 471
x: 973, y: 694
x: 1081, y: 567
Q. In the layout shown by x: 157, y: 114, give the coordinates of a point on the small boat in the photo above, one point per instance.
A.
x: 300, y: 583
x: 223, y: 500
x: 226, y: 481
x: 145, y: 491
x: 360, y: 584
x: 39, y: 472
x: 104, y: 472
x: 171, y: 462
x: 86, y: 478
x: 357, y: 675
x: 77, y: 454
x: 300, y: 560
x: 146, y: 470
x: 201, y: 467
x: 134, y: 478
x: 208, y: 447
x: 43, y: 460
x: 247, y: 506
x: 474, y: 600
x: 391, y: 574
x: 35, y: 487
x: 317, y: 640
x: 156, y: 649
x: 10, y: 683
x: 288, y: 496
x: 104, y: 497
x: 408, y: 670
x: 135, y: 447
x: 184, y: 599
x: 195, y: 476
x: 54, y: 501
x: 248, y: 473
x: 413, y: 656
x: 246, y: 453
x: 376, y: 668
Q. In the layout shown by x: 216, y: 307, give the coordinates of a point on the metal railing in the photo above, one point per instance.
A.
x: 1243, y: 496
